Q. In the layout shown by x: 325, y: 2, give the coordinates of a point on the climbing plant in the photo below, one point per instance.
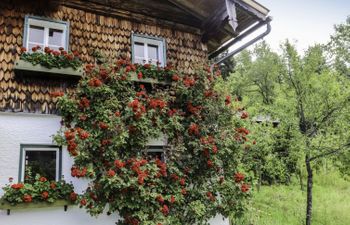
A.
x: 109, y: 120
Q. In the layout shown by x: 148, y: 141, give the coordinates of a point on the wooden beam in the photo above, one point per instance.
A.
x: 190, y: 7
x: 103, y: 9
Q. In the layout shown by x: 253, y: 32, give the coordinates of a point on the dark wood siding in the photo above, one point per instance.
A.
x: 89, y: 32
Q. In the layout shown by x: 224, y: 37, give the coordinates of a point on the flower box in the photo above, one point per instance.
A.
x: 24, y: 66
x: 148, y: 80
x: 32, y: 205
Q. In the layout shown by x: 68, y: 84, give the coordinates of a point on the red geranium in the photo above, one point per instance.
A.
x: 45, y: 195
x: 53, y: 185
x: 83, y: 201
x: 27, y: 198
x: 42, y: 179
x: 17, y: 186
x: 23, y: 49
x: 139, y: 75
x: 73, y: 196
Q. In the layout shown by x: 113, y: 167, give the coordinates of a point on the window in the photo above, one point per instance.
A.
x: 156, y: 152
x: 45, y: 33
x: 39, y: 159
x: 146, y: 49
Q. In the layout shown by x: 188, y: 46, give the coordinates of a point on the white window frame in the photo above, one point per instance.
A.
x: 158, y: 145
x: 149, y: 40
x: 47, y: 24
x: 38, y: 148
x: 157, y: 149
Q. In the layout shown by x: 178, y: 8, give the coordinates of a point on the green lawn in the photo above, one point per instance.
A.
x: 285, y: 205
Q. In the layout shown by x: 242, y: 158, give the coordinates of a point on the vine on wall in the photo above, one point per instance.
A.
x: 109, y: 120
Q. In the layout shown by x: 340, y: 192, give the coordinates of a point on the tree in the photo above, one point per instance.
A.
x: 257, y: 82
x: 308, y: 98
x: 320, y: 98
x: 339, y: 47
x: 108, y: 122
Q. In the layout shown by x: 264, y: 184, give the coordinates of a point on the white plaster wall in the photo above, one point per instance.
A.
x: 21, y: 128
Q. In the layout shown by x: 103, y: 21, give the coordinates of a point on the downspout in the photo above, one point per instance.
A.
x: 239, y: 38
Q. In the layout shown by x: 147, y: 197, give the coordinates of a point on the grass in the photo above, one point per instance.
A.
x: 285, y: 205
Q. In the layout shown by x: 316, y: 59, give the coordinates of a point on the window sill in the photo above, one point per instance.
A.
x: 27, y: 67
x: 33, y: 205
x: 149, y: 80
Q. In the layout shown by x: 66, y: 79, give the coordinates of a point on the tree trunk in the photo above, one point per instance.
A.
x: 309, y: 190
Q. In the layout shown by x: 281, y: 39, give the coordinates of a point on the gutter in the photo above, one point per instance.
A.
x: 241, y: 37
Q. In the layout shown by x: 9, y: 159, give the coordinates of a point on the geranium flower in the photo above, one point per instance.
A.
x: 23, y: 49
x: 17, y: 186
x: 139, y: 75
x: 73, y: 196
x: 42, y: 179
x: 53, y: 185
x: 27, y: 198
x: 83, y: 201
x: 45, y: 195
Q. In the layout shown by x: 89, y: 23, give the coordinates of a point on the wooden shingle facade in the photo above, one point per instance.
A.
x: 94, y: 26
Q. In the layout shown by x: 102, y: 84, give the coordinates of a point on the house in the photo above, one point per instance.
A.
x: 184, y: 33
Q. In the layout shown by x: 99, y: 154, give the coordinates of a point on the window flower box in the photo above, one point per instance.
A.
x: 24, y: 66
x: 133, y: 77
x: 4, y: 205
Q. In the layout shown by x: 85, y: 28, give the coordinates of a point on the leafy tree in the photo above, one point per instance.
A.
x: 320, y: 98
x: 311, y: 103
x: 339, y: 47
x: 256, y: 81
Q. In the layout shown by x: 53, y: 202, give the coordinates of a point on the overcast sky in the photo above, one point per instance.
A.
x: 304, y: 21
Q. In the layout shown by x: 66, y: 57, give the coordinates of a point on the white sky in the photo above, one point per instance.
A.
x: 304, y: 21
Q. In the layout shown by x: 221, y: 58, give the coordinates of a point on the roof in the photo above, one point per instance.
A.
x: 216, y: 20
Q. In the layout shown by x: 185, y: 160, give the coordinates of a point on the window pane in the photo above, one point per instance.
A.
x: 55, y: 37
x: 139, y: 50
x: 40, y: 162
x: 153, y: 52
x: 36, y: 34
x: 140, y: 60
x: 30, y: 46
x: 155, y: 155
